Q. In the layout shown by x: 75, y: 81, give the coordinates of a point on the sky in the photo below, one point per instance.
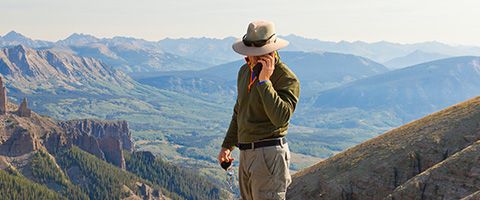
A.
x: 402, y: 21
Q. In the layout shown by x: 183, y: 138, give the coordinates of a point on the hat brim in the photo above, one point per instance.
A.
x: 241, y: 48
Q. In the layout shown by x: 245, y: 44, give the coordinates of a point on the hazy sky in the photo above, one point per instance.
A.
x: 405, y: 21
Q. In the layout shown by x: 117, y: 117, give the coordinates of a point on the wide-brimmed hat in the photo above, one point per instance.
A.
x: 260, y: 39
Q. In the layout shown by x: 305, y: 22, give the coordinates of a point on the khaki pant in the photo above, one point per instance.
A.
x: 263, y: 173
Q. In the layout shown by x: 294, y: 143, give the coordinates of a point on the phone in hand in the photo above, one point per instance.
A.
x: 257, y: 69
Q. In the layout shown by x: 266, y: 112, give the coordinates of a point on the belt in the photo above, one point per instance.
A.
x: 264, y: 143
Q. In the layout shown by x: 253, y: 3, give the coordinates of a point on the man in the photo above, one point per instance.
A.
x: 265, y: 104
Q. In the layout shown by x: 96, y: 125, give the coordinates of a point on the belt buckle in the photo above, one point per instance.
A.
x: 253, y: 145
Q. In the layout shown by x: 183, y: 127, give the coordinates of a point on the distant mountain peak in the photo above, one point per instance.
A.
x: 13, y: 35
x: 78, y: 39
x: 80, y: 35
x: 14, y: 38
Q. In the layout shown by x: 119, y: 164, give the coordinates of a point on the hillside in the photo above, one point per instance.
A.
x: 17, y: 187
x: 414, y: 161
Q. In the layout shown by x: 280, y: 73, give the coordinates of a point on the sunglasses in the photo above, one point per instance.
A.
x: 258, y: 43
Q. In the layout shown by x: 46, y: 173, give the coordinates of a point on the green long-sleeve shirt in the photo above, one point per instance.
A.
x: 265, y: 111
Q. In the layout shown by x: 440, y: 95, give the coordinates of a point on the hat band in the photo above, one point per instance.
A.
x: 259, y: 43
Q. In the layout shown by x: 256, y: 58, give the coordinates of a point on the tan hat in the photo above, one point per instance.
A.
x: 260, y: 39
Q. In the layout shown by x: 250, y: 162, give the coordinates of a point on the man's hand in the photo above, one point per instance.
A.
x: 225, y: 155
x: 268, y: 65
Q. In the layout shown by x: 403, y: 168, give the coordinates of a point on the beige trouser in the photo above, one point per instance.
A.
x: 263, y: 173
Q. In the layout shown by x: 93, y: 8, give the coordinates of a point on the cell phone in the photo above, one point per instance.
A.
x: 257, y: 69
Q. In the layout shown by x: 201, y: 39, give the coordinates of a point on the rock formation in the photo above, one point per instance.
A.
x: 436, y: 157
x: 23, y: 110
x: 105, y: 139
x: 461, y: 169
x: 3, y: 98
x: 474, y: 196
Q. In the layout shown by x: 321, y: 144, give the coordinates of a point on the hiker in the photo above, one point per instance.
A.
x: 268, y: 92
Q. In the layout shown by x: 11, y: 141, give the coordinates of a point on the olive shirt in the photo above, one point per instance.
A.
x: 264, y: 111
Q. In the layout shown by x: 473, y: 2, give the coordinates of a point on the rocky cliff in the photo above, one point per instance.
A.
x: 105, y: 139
x: 436, y: 157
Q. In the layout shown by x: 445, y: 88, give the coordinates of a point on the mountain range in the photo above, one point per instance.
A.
x: 35, y: 70
x: 317, y: 71
x: 411, y: 92
x: 382, y: 51
x: 136, y: 55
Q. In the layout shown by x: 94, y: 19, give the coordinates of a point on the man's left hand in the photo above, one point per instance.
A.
x: 268, y: 65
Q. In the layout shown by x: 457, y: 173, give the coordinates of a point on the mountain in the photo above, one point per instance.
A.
x: 125, y: 53
x: 410, y: 92
x: 13, y: 38
x: 316, y: 71
x: 209, y: 50
x: 35, y: 70
x: 413, y: 58
x: 433, y: 157
x: 128, y: 54
x: 378, y: 51
x: 78, y: 39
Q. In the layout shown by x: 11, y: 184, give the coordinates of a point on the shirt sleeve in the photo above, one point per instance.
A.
x: 280, y: 103
x: 231, y: 138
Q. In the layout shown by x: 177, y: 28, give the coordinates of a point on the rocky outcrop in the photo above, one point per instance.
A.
x: 148, y: 193
x: 105, y: 139
x: 23, y: 110
x: 420, y: 159
x: 20, y: 135
x: 21, y: 142
x: 453, y: 178
x: 474, y: 196
x: 3, y: 98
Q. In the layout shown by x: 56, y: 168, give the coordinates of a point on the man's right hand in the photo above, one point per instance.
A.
x: 225, y: 155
